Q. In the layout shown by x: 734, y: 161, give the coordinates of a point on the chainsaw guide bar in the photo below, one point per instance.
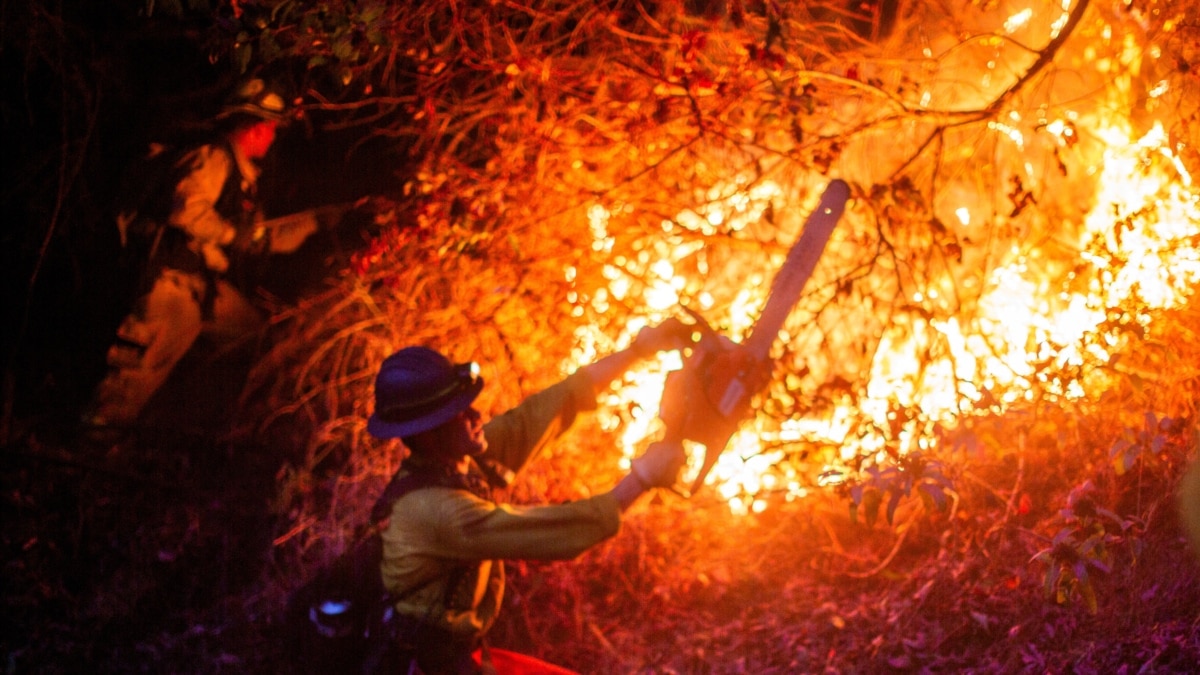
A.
x: 709, y: 397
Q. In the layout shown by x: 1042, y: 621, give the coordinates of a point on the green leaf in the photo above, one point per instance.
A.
x: 1061, y: 595
x: 982, y: 619
x: 241, y: 56
x: 935, y: 494
x: 1105, y: 513
x: 1050, y: 583
x: 1065, y: 534
x: 1081, y: 573
x: 343, y: 49
x: 1118, y: 464
x: 371, y: 12
x: 1138, y: 383
x: 268, y: 48
x: 1089, y: 596
x: 856, y: 493
x: 926, y: 500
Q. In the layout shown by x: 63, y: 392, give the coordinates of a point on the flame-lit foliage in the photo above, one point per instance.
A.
x: 587, y: 167
x: 583, y: 168
x: 1081, y: 547
x: 594, y: 155
x: 976, y: 253
x: 989, y: 328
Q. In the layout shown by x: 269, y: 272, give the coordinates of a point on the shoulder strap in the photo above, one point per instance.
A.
x: 234, y: 204
x: 416, y: 477
x: 401, y: 484
x: 420, y: 476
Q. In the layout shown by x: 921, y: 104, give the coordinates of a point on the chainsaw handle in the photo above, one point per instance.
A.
x: 706, y: 329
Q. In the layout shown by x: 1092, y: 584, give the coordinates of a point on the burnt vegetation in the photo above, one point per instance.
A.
x: 533, y: 165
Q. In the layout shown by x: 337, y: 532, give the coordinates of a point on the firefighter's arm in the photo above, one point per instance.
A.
x: 194, y: 210
x: 668, y: 335
x: 658, y: 467
x: 286, y: 234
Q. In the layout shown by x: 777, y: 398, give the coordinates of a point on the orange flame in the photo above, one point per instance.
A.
x: 1137, y: 252
x: 1023, y: 320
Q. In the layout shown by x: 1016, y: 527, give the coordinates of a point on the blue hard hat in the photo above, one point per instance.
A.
x: 418, y: 389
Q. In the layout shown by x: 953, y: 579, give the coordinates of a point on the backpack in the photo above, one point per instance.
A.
x: 145, y: 194
x: 341, y: 621
x: 330, y: 618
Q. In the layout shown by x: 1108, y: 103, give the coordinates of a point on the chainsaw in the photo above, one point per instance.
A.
x: 706, y: 400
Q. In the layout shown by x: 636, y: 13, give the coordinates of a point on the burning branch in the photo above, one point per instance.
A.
x: 1045, y: 56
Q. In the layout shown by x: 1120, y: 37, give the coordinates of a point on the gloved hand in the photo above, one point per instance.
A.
x: 668, y: 335
x: 659, y: 466
x: 213, y: 255
x: 291, y: 232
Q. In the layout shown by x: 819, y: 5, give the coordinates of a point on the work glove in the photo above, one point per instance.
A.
x: 291, y: 232
x: 213, y: 255
x: 659, y: 466
x: 668, y: 335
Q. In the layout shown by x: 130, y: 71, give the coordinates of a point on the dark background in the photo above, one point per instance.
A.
x: 87, y: 86
x: 136, y: 554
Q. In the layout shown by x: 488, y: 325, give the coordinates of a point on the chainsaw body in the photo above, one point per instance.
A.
x: 706, y: 400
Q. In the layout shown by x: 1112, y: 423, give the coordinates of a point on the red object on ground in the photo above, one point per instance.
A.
x: 512, y: 663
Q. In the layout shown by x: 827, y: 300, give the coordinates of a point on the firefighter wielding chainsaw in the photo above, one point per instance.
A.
x: 434, y: 580
x: 706, y: 400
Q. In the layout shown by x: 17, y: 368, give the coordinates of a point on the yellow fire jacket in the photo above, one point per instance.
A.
x: 437, y: 537
x: 197, y: 196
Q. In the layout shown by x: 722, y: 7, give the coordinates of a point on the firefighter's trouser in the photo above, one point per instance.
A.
x: 157, y: 333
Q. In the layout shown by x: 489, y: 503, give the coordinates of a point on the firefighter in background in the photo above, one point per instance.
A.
x: 210, y: 204
x: 445, y: 538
